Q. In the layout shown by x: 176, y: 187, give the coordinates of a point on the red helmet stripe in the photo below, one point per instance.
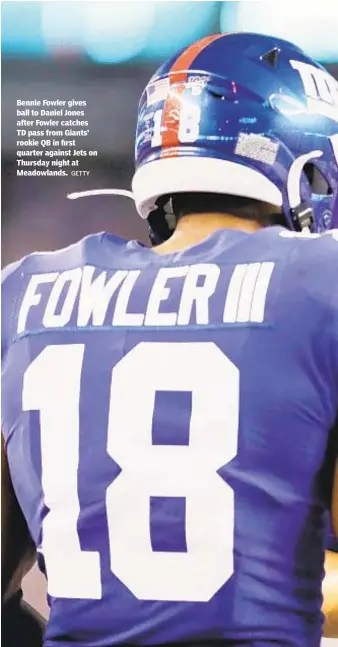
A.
x: 187, y: 57
x: 172, y: 107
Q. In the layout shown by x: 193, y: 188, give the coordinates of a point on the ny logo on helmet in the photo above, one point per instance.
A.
x: 321, y: 89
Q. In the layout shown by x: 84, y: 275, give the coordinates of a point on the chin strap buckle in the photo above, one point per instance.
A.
x: 302, y: 217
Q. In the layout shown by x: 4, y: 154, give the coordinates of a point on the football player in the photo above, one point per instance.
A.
x: 169, y: 413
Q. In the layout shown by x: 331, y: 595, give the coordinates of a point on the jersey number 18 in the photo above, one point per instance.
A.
x: 52, y: 385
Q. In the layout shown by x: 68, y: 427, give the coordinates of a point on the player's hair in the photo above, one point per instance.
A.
x: 246, y: 208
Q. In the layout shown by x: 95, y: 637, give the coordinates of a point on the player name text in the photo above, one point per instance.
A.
x: 176, y: 296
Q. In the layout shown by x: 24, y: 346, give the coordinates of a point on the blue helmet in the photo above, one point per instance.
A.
x: 240, y: 114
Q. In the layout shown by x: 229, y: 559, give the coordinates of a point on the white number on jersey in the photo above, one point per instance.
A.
x: 52, y: 385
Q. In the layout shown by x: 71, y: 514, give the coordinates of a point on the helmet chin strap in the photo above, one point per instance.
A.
x: 302, y: 217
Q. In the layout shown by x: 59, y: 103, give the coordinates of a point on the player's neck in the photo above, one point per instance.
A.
x: 192, y: 229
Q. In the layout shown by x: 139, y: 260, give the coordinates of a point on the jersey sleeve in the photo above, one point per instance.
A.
x: 333, y: 318
x: 318, y: 277
x: 10, y: 289
x: 332, y: 325
x: 332, y: 333
x: 325, y: 266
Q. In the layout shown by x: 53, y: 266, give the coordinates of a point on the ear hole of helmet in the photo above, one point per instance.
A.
x: 318, y: 182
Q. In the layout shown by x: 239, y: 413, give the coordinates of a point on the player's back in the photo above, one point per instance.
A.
x: 173, y: 413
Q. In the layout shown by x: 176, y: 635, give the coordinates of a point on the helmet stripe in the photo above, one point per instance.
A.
x: 172, y: 107
x: 187, y: 57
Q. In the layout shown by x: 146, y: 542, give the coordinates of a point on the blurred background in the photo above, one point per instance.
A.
x: 104, y: 53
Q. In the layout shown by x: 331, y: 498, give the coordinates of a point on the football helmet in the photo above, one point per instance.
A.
x: 239, y: 114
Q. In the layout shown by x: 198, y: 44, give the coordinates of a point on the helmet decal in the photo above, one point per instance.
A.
x: 321, y: 89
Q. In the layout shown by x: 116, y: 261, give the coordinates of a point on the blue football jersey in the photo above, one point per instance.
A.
x: 167, y: 422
